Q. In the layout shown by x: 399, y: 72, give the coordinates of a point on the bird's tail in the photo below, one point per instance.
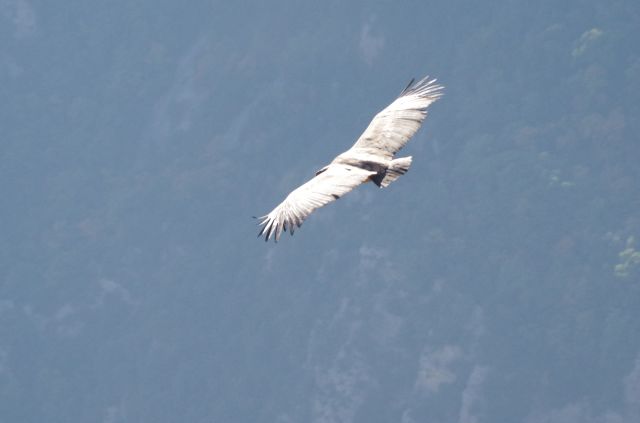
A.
x: 396, y: 168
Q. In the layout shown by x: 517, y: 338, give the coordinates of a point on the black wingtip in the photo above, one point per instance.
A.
x: 408, y: 86
x: 425, y: 87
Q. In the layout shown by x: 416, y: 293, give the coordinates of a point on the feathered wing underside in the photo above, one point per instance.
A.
x: 390, y: 129
x: 326, y: 187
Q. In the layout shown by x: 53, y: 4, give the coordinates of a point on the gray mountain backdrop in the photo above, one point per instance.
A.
x: 498, y: 281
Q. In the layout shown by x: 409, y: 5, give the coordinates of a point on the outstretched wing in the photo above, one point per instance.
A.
x: 390, y: 129
x: 327, y: 186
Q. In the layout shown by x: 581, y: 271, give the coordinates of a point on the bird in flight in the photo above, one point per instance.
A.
x: 370, y: 159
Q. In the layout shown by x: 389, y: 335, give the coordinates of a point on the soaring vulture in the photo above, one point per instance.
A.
x: 370, y: 159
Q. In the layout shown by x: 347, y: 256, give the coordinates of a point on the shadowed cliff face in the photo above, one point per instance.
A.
x: 498, y: 280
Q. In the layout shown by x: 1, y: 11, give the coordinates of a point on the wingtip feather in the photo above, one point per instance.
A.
x: 408, y: 86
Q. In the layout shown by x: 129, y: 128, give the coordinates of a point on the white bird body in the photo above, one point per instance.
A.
x: 362, y: 157
x: 370, y: 159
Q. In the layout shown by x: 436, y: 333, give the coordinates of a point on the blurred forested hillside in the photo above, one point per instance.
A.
x: 498, y: 281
